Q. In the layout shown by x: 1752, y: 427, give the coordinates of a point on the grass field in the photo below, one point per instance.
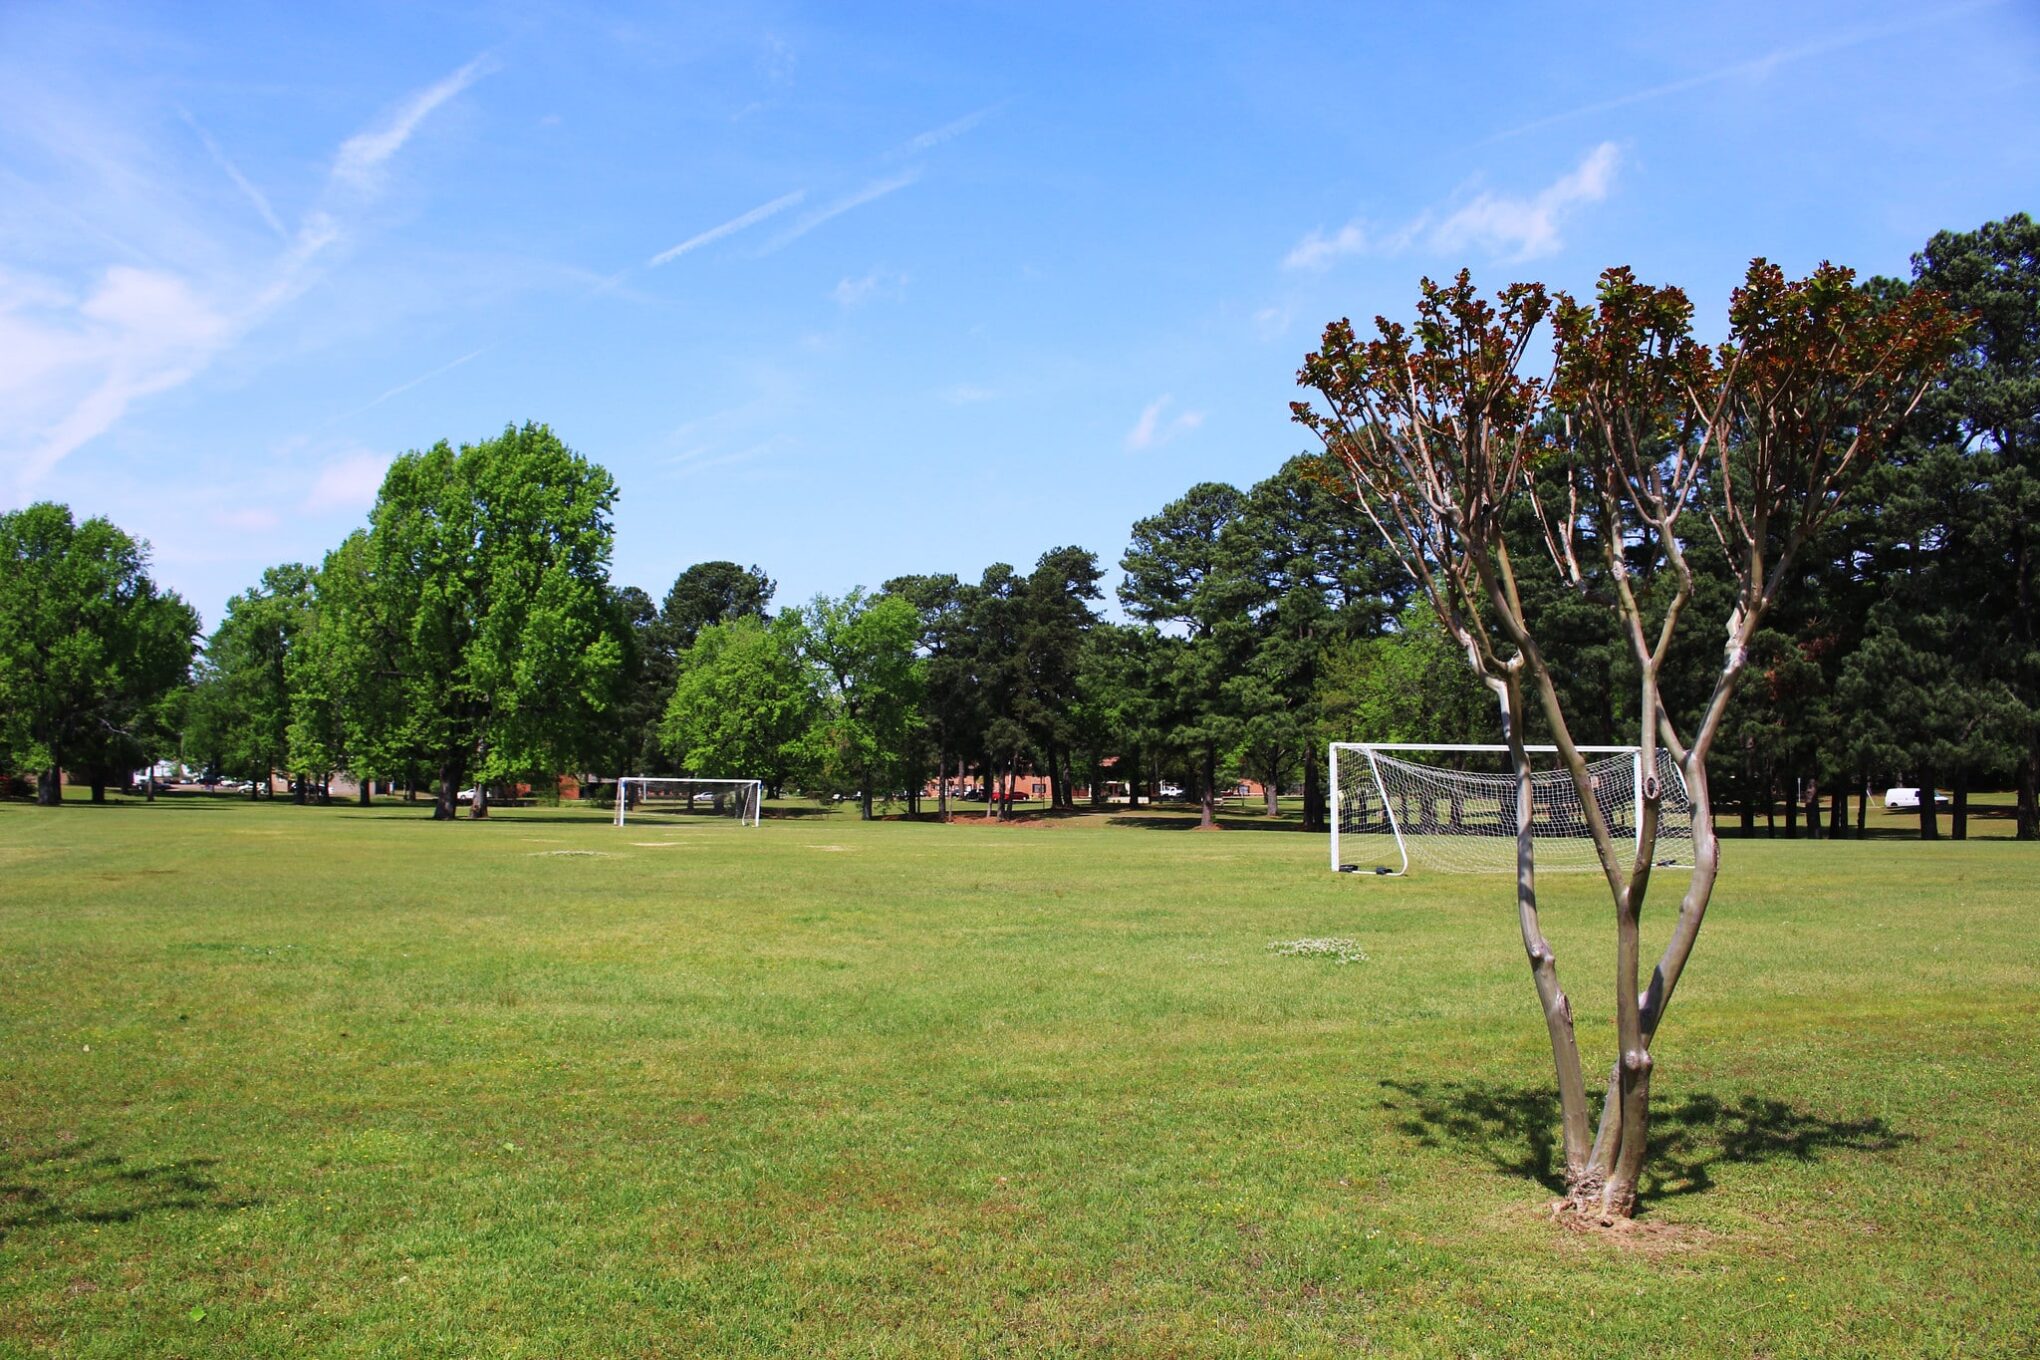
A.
x: 339, y: 1082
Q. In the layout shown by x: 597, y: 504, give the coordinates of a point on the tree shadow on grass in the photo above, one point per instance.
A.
x: 1188, y: 822
x: 1515, y: 1129
x: 74, y: 1185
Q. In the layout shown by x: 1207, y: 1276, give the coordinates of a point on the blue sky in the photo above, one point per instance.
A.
x: 852, y: 291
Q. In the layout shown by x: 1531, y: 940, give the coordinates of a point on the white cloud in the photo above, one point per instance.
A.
x: 404, y: 387
x: 968, y: 394
x: 935, y: 137
x: 363, y: 155
x: 233, y: 172
x: 877, y: 189
x: 1151, y: 431
x: 1525, y: 228
x: 878, y: 283
x: 348, y: 483
x: 735, y: 224
x: 1272, y: 323
x: 73, y: 366
x: 1318, y: 250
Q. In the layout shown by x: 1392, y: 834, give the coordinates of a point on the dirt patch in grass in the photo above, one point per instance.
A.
x: 1650, y: 1238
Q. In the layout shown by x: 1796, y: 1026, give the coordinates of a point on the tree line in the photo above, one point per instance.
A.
x: 470, y: 634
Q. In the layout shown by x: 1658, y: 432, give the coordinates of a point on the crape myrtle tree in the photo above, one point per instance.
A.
x: 1441, y: 435
x: 93, y: 657
x: 490, y: 564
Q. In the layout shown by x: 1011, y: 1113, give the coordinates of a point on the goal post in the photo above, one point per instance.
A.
x: 659, y: 796
x: 1453, y: 807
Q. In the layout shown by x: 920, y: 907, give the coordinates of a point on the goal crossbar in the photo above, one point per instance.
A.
x: 1464, y: 821
x: 742, y: 798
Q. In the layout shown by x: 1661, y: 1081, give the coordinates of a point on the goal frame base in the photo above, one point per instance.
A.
x: 753, y: 788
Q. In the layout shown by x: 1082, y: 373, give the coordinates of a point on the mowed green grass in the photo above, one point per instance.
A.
x: 336, y: 1082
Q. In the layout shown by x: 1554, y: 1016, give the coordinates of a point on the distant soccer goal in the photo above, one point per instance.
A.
x: 1454, y: 810
x: 656, y: 798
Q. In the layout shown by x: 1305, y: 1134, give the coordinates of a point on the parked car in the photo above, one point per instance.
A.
x: 1170, y: 791
x: 1908, y: 800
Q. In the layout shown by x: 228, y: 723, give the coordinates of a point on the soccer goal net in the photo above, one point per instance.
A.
x: 654, y: 797
x: 1453, y: 808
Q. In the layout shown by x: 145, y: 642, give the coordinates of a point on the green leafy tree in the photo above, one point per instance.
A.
x: 1983, y: 424
x: 1119, y: 709
x: 709, y: 593
x: 743, y: 702
x: 644, y: 687
x: 1055, y: 620
x: 1177, y: 577
x: 247, y: 678
x: 345, y: 713
x: 92, y: 654
x: 949, y: 724
x: 1312, y: 573
x: 491, y: 564
x: 1410, y: 684
x: 863, y: 650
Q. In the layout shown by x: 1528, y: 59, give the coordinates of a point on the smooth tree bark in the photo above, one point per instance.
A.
x: 1441, y: 438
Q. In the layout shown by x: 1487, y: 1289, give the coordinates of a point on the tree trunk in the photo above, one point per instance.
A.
x: 1551, y: 998
x: 478, y: 809
x: 1863, y: 809
x: 1838, y: 812
x: 1930, y: 822
x: 365, y: 791
x: 1314, y: 818
x: 864, y: 800
x: 98, y: 787
x: 1209, y: 809
x: 444, y: 806
x: 1770, y: 808
x: 1813, y: 808
x: 2029, y: 795
x: 49, y: 787
x: 1791, y: 807
x: 1958, y: 815
x: 298, y: 789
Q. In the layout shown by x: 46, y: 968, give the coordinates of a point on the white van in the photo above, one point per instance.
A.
x: 1908, y: 800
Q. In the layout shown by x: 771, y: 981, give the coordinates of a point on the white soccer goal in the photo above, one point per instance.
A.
x: 658, y: 797
x: 1456, y: 810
